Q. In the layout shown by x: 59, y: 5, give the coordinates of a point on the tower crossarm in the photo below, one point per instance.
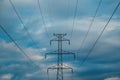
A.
x: 63, y: 52
x: 64, y: 39
x: 55, y: 39
x: 51, y: 53
x: 67, y: 52
x: 62, y: 67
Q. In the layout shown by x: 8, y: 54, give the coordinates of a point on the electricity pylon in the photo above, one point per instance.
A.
x: 60, y: 66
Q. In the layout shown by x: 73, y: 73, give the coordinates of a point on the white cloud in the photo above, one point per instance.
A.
x: 112, y: 78
x: 7, y: 76
x: 8, y: 47
x: 83, y: 24
x: 31, y: 52
x: 34, y: 53
x: 32, y: 74
x: 37, y: 57
x: 29, y: 75
x: 115, y: 42
x: 43, y: 49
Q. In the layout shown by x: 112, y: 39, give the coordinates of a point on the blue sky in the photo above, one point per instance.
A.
x: 102, y: 64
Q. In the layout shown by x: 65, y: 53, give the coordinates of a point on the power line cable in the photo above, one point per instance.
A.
x: 23, y: 52
x: 25, y: 28
x: 39, y: 5
x: 90, y: 26
x: 100, y: 34
x: 74, y: 18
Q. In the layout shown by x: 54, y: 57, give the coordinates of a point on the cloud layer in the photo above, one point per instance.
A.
x: 102, y: 64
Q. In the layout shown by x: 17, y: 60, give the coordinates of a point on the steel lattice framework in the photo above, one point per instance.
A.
x: 60, y: 66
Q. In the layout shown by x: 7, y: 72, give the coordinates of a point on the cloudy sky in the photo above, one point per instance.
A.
x: 57, y: 17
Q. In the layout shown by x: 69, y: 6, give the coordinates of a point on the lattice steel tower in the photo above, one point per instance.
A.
x: 60, y: 66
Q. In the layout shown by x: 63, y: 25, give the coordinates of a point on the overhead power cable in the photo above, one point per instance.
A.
x: 39, y: 5
x: 90, y: 51
x: 92, y: 21
x: 74, y: 19
x: 23, y: 52
x: 25, y: 28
